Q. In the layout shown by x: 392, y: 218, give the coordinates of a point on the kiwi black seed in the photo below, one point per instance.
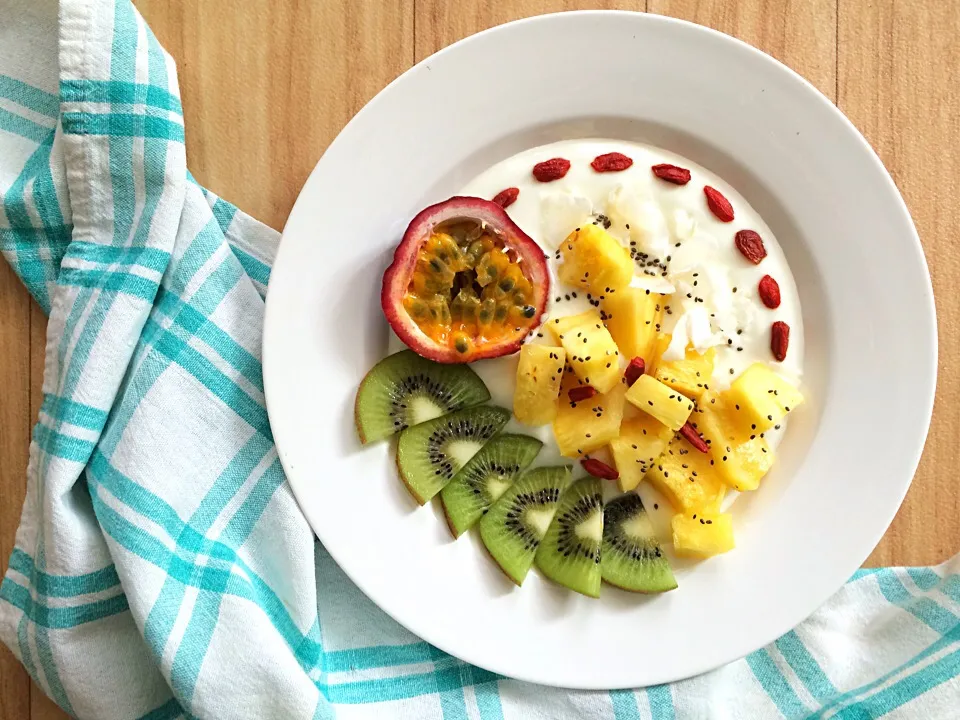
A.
x: 404, y: 390
x: 431, y: 453
x: 485, y: 477
x: 631, y: 557
x: 570, y: 551
x: 516, y: 523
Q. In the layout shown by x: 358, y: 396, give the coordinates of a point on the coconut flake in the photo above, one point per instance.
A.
x: 692, y: 328
x: 561, y: 213
x: 633, y: 207
x: 684, y: 225
x: 654, y: 284
x: 677, y: 349
x: 698, y: 251
x: 699, y: 330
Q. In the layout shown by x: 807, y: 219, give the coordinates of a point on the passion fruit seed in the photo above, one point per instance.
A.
x: 455, y: 288
x: 487, y: 308
x: 467, y: 279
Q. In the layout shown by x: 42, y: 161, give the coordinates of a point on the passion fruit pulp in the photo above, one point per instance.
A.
x: 466, y: 283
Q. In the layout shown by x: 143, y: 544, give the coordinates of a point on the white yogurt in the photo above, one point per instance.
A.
x: 706, y: 264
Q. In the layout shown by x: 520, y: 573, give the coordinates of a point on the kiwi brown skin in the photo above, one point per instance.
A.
x: 498, y: 565
x: 413, y: 493
x: 446, y: 516
x: 637, y: 592
x: 356, y: 416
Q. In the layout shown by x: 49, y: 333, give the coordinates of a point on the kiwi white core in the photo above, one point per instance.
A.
x: 591, y: 528
x: 496, y: 486
x: 462, y: 450
x: 639, y: 526
x: 423, y: 409
x: 539, y: 519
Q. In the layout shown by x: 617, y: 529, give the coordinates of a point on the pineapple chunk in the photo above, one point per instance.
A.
x: 660, y: 346
x: 539, y: 374
x: 688, y: 376
x: 592, y: 354
x: 740, y: 460
x: 764, y: 397
x: 685, y: 476
x: 633, y: 318
x: 559, y: 325
x: 594, y: 259
x: 588, y: 425
x: 664, y: 403
x: 642, y: 440
x: 702, y: 534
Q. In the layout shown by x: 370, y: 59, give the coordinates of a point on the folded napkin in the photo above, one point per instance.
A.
x: 162, y: 567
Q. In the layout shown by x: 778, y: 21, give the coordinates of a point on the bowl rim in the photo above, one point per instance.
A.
x: 926, y: 403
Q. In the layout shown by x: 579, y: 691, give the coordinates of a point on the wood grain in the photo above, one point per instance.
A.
x: 898, y: 64
x: 798, y: 33
x: 14, y: 441
x: 267, y: 85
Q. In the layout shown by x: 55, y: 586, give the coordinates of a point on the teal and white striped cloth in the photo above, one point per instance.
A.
x: 162, y: 568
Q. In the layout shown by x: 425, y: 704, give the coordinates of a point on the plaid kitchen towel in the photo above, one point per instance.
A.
x: 162, y: 568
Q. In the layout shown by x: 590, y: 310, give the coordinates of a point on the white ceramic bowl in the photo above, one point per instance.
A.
x: 870, y: 360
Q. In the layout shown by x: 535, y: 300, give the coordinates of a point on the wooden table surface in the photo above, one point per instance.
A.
x: 267, y: 84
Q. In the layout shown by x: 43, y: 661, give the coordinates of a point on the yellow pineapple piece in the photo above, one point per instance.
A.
x: 763, y: 396
x: 633, y: 319
x: 740, y: 459
x: 585, y: 426
x: 595, y: 259
x: 663, y: 402
x: 685, y: 476
x: 592, y: 354
x: 539, y: 374
x: 702, y: 534
x: 642, y: 440
x: 690, y: 376
x: 660, y: 346
x: 559, y: 325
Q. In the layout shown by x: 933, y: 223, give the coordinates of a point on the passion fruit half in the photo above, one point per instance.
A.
x: 466, y: 283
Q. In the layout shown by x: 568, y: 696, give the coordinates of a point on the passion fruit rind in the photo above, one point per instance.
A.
x: 466, y: 283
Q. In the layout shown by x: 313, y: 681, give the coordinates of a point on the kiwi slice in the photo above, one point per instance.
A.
x: 485, y: 478
x: 404, y: 390
x: 570, y: 551
x: 516, y: 523
x: 631, y: 557
x: 431, y: 453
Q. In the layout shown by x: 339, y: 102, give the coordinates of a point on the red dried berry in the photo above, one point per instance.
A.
x: 750, y: 245
x: 584, y: 392
x: 506, y: 198
x: 599, y: 469
x: 552, y: 169
x: 693, y: 437
x: 718, y: 204
x: 769, y: 292
x: 672, y: 173
x: 635, y: 369
x: 779, y: 340
x: 611, y: 162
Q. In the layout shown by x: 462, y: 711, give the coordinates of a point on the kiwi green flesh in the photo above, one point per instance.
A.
x: 431, y: 453
x: 404, y: 390
x: 570, y: 551
x: 516, y: 523
x: 485, y: 477
x: 630, y: 556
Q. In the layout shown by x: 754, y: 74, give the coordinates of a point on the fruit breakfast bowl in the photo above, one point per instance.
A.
x: 768, y: 154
